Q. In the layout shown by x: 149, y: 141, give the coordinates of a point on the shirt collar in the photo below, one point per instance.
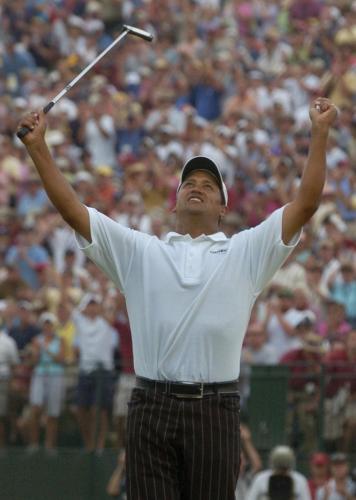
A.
x: 220, y: 236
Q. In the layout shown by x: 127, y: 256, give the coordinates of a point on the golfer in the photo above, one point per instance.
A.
x: 189, y: 300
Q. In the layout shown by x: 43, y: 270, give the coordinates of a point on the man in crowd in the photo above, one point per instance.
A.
x: 95, y: 343
x: 281, y: 481
x: 340, y: 486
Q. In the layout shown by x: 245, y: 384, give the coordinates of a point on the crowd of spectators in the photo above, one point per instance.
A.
x: 230, y: 79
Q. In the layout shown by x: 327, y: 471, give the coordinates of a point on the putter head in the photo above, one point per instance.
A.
x: 138, y: 32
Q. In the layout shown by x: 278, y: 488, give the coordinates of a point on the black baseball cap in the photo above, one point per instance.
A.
x: 204, y: 163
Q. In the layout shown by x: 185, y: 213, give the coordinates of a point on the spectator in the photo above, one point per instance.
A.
x: 304, y: 391
x: 340, y: 486
x: 330, y: 263
x: 98, y: 132
x: 342, y: 287
x: 95, y: 343
x: 27, y: 253
x: 256, y: 351
x: 23, y: 328
x: 46, y: 391
x: 33, y: 199
x: 250, y: 464
x: 281, y: 481
x: 340, y: 366
x: 206, y: 92
x: 9, y: 357
x: 319, y: 467
x: 278, y: 323
x: 334, y: 325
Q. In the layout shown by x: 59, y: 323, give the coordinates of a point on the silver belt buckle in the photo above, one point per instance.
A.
x: 193, y: 396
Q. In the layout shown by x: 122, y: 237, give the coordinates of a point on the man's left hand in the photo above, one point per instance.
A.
x: 323, y: 112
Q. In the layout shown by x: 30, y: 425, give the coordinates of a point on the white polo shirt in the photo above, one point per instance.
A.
x: 9, y: 355
x: 189, y: 300
x: 259, y: 486
x: 96, y: 340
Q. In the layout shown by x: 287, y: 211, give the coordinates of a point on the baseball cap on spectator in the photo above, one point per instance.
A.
x: 25, y: 305
x: 133, y: 78
x: 55, y: 137
x: 83, y: 176
x: 320, y: 458
x: 204, y: 163
x: 93, y: 7
x: 166, y: 128
x: 48, y: 317
x: 224, y: 131
x: 104, y: 170
x: 93, y: 299
x: 136, y: 168
x: 92, y: 26
x: 338, y: 458
x: 282, y: 457
x: 302, y: 318
x: 75, y: 22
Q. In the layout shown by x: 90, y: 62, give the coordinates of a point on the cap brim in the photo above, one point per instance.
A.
x: 204, y: 163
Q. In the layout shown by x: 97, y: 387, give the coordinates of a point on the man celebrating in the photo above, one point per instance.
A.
x: 189, y: 300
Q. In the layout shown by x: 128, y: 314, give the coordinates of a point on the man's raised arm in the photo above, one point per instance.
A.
x: 56, y: 185
x: 323, y: 114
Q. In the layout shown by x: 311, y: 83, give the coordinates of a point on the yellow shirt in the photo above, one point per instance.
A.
x: 66, y: 332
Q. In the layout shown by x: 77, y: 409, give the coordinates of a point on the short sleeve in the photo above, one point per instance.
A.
x: 267, y: 251
x: 113, y: 247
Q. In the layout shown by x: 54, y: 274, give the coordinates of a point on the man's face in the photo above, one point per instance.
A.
x: 199, y: 194
x: 339, y: 470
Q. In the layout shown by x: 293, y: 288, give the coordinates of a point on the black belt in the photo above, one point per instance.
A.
x: 188, y: 389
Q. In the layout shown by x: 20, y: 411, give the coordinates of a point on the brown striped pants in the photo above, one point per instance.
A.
x: 182, y: 449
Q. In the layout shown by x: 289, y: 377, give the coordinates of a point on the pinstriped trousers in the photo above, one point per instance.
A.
x: 182, y: 449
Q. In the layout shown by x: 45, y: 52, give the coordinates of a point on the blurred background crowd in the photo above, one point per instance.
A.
x: 230, y: 79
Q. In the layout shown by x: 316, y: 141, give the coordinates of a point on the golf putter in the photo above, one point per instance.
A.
x: 145, y: 35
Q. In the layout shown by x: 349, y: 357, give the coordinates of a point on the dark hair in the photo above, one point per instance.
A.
x: 280, y: 487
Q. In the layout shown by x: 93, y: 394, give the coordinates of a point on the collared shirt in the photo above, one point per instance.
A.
x: 188, y: 299
x: 330, y: 491
x: 8, y: 354
x: 259, y: 487
x: 96, y: 341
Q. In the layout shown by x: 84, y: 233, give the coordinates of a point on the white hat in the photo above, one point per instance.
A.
x: 282, y: 457
x: 82, y: 175
x: 48, y: 317
x: 204, y: 163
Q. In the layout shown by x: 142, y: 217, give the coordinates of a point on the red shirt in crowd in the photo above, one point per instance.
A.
x: 304, y: 367
x: 340, y: 371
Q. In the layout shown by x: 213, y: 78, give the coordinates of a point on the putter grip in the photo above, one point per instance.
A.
x: 24, y: 130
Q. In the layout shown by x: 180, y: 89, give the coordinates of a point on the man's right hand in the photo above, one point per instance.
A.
x: 36, y: 123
